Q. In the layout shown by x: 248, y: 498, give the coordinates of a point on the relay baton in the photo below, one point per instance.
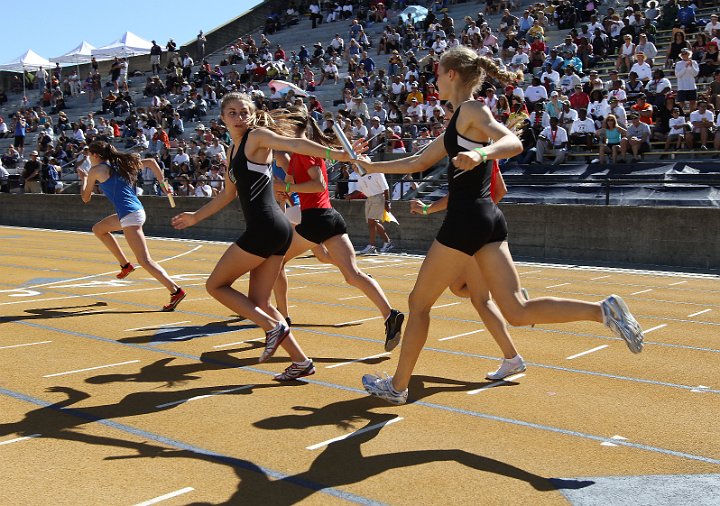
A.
x: 347, y: 146
x: 168, y: 192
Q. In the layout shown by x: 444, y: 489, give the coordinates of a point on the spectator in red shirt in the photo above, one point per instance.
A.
x: 279, y: 54
x: 579, y: 99
x: 644, y: 109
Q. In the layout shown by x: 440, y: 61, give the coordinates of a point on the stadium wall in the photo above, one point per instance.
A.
x: 678, y: 237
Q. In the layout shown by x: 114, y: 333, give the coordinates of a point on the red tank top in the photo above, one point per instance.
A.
x: 298, y: 169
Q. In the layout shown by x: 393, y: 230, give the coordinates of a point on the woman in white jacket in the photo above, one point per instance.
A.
x: 686, y: 70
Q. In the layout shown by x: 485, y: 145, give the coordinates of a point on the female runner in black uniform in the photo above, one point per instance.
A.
x: 321, y: 224
x: 268, y: 235
x: 474, y: 226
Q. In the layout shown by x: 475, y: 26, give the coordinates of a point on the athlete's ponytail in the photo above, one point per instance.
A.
x: 127, y: 165
x: 289, y: 121
x: 473, y: 68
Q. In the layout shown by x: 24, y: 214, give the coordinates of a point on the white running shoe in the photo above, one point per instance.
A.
x: 617, y: 316
x: 273, y: 339
x: 387, y: 247
x: 295, y: 371
x: 382, y: 387
x: 368, y: 250
x: 508, y: 367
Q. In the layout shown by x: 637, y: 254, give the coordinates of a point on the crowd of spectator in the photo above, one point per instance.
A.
x: 558, y: 100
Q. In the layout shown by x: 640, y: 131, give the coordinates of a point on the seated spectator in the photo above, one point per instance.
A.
x: 638, y: 139
x: 625, y: 54
x: 702, y: 121
x: 678, y: 125
x: 570, y: 81
x: 535, y: 92
x: 633, y: 88
x: 709, y: 62
x: 11, y: 157
x: 539, y: 118
x: 567, y: 115
x: 658, y: 88
x: 550, y: 78
x: 582, y: 132
x: 4, y: 131
x: 642, y: 68
x: 553, y: 141
x: 611, y: 137
x: 644, y: 109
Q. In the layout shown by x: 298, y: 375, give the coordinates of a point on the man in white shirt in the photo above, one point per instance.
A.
x: 550, y: 77
x: 376, y: 132
x: 215, y: 149
x: 181, y: 162
x: 618, y: 111
x: 642, y: 68
x: 686, y: 70
x: 415, y: 111
x: 702, y: 121
x: 713, y: 25
x: 535, y: 92
x: 338, y: 44
x: 582, y: 131
x: 520, y: 61
x: 553, y: 140
x: 377, y: 191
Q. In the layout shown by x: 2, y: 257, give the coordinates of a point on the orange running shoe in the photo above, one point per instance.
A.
x: 125, y: 270
x: 175, y: 299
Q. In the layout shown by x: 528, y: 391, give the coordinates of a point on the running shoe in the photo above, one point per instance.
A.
x: 368, y: 250
x: 618, y: 318
x: 175, y: 299
x: 387, y: 247
x: 273, y: 339
x: 508, y: 367
x: 382, y: 387
x: 295, y: 371
x: 393, y: 329
x: 124, y: 271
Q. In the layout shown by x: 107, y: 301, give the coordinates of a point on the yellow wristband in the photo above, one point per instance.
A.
x: 287, y: 187
x: 483, y: 154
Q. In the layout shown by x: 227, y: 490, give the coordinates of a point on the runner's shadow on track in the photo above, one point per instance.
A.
x: 326, y: 473
x: 185, y: 333
x: 65, y: 312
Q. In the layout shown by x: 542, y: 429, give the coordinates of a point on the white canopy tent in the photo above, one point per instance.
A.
x: 78, y: 55
x: 30, y: 61
x: 127, y: 45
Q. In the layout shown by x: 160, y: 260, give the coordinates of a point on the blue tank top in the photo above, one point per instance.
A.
x: 121, y: 193
x: 465, y: 186
x: 612, y: 135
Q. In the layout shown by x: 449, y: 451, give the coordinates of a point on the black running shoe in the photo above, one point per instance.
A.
x: 393, y: 329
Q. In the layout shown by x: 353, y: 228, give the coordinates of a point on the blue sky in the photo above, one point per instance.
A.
x: 53, y: 31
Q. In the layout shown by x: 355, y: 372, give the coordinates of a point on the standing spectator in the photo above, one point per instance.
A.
x: 155, y: 53
x: 553, y: 141
x: 686, y: 70
x: 41, y: 77
x: 377, y: 191
x: 20, y: 130
x: 201, y: 40
x: 31, y: 174
x: 187, y: 65
x: 315, y: 13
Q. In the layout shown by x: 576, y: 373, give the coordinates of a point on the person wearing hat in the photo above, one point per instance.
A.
x: 31, y: 174
x: 415, y: 111
x: 713, y: 27
x: 642, y: 68
x: 686, y: 70
x: 359, y: 108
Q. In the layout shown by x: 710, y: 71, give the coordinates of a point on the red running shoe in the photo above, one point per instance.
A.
x: 175, y: 299
x: 124, y: 271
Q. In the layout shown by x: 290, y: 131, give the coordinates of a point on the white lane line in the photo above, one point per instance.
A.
x: 199, y: 298
x: 357, y: 321
x: 102, y: 273
x: 642, y: 291
x: 21, y: 345
x: 18, y: 439
x: 654, y: 328
x: 497, y: 383
x: 586, y: 352
x: 90, y: 368
x: 700, y: 389
x: 198, y: 397
x: 297, y: 287
x: 353, y: 297
x: 156, y: 326
x: 555, y: 286
x: 411, y: 274
x: 700, y: 312
x: 599, y: 277
x: 356, y: 433
x: 238, y: 342
x: 165, y: 497
x: 461, y: 335
x: 678, y: 283
x: 530, y: 272
x: 445, y: 305
x: 356, y: 360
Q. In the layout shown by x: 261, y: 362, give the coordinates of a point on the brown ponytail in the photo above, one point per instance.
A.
x: 127, y: 165
x: 473, y: 68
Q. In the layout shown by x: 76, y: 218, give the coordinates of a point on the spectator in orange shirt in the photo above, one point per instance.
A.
x: 644, y: 109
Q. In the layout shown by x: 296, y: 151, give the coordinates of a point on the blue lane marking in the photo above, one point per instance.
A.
x: 335, y: 386
x: 226, y: 459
